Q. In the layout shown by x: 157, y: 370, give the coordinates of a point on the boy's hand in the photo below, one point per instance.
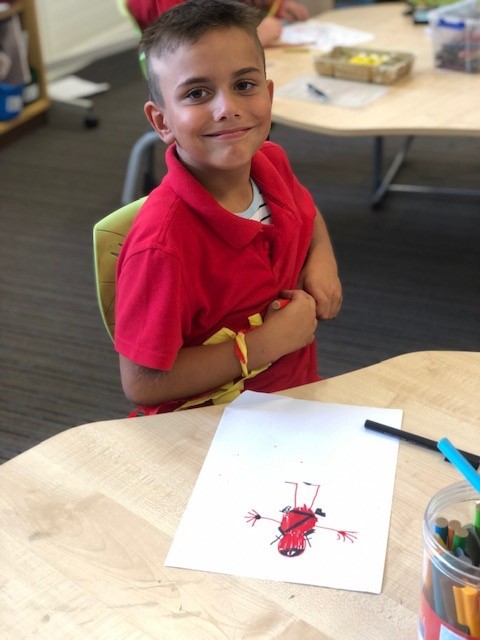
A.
x: 291, y: 327
x: 324, y: 286
x: 269, y: 30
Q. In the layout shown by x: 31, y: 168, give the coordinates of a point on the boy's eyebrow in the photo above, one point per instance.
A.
x: 242, y: 72
x: 201, y: 79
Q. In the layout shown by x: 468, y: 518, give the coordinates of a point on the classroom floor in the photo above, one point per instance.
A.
x: 410, y: 271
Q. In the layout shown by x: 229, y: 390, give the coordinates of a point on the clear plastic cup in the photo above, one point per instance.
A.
x: 450, y: 598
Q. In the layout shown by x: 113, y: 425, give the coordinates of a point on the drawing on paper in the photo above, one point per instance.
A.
x: 298, y: 524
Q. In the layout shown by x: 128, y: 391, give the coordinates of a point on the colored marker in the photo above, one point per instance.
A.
x: 477, y: 519
x: 461, y: 555
x: 446, y: 594
x: 440, y: 540
x: 416, y: 439
x: 438, y: 592
x: 441, y: 528
x: 459, y: 541
x: 473, y: 545
x: 453, y: 525
x: 280, y: 303
x: 468, y: 608
x: 460, y: 463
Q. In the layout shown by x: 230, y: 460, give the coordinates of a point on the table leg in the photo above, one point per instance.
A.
x: 382, y: 185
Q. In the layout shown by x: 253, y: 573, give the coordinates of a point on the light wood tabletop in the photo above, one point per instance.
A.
x: 428, y: 101
x: 87, y: 517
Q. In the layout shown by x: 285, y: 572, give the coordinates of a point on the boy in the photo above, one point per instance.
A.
x: 228, y: 232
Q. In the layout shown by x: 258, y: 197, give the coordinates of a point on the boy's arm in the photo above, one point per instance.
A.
x: 200, y: 369
x: 319, y: 276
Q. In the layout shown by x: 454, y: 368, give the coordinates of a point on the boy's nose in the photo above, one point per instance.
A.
x: 226, y: 107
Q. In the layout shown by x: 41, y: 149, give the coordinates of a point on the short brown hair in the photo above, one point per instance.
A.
x: 187, y: 22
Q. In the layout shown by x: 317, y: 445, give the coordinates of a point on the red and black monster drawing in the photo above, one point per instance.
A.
x: 298, y: 524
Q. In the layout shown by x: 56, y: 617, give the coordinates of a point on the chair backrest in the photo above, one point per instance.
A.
x: 108, y: 237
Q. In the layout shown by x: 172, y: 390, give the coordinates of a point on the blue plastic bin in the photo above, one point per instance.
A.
x: 11, y: 101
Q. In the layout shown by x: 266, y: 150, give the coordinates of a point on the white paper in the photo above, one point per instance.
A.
x: 266, y: 448
x: 340, y: 93
x: 73, y: 87
x: 322, y: 35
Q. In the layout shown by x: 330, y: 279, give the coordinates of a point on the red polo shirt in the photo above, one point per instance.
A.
x: 188, y: 267
x: 145, y: 12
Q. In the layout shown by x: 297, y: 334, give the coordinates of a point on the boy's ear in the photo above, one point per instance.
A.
x: 270, y: 89
x: 156, y: 117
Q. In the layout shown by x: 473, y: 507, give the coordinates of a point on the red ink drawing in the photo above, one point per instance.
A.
x: 298, y: 524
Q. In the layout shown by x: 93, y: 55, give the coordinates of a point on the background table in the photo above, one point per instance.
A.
x: 87, y: 517
x: 428, y: 101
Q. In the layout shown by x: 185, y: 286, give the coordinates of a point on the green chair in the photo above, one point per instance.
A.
x: 108, y: 237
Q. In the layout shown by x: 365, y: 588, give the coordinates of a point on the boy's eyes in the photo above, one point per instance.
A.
x: 244, y: 85
x: 201, y: 94
x: 197, y: 94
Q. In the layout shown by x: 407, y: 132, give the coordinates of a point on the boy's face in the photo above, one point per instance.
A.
x: 217, y: 101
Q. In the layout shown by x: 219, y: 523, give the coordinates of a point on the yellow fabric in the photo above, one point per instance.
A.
x: 230, y: 390
x: 242, y: 346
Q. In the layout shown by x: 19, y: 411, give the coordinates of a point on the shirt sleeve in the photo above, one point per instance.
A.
x: 151, y: 309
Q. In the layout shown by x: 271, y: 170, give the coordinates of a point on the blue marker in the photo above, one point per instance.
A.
x: 460, y: 463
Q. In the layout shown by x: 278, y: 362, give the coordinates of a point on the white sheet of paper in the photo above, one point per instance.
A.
x: 265, y: 442
x: 73, y: 87
x: 322, y: 35
x: 341, y: 93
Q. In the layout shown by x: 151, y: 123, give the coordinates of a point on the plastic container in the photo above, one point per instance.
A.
x: 450, y: 598
x: 456, y: 36
x: 11, y: 100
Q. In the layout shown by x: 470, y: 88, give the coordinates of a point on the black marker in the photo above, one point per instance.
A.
x: 473, y: 459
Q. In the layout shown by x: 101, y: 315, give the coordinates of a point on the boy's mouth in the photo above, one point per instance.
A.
x: 229, y: 133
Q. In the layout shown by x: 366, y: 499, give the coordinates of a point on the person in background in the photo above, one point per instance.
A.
x: 228, y: 264
x: 274, y: 12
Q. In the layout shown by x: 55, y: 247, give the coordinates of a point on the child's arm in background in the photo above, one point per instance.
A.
x: 200, y: 369
x: 269, y: 30
x: 292, y: 11
x: 319, y: 276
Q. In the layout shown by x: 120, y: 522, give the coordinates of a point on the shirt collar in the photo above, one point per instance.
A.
x: 234, y: 230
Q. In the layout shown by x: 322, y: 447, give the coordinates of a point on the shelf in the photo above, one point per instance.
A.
x: 17, y: 7
x: 35, y: 112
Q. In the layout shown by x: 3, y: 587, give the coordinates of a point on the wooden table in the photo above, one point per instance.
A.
x: 429, y: 101
x: 87, y: 517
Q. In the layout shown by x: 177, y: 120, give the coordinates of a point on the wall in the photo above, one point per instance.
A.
x: 74, y: 33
